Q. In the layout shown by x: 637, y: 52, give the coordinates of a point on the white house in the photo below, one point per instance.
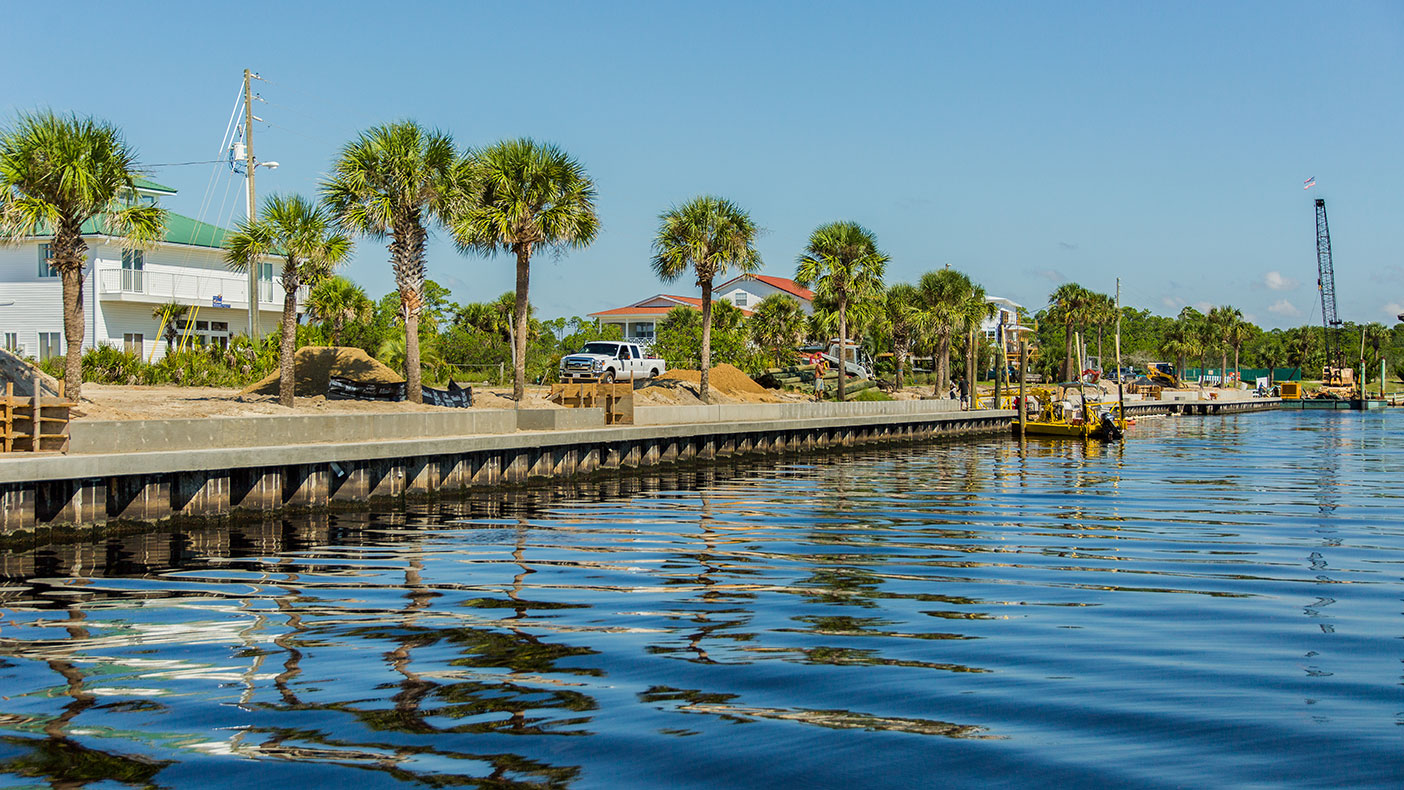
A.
x: 748, y: 289
x: 639, y: 321
x: 121, y: 288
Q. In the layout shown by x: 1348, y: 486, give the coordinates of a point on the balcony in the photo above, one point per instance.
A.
x: 193, y: 287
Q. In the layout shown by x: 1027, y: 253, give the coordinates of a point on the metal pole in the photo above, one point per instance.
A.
x: 249, y: 198
x: 1120, y: 388
x: 1023, y: 404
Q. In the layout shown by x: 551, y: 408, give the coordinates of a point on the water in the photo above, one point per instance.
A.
x: 1215, y: 604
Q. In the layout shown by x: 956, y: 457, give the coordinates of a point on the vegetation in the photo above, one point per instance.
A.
x: 843, y: 263
x: 300, y: 233
x: 525, y: 196
x: 393, y: 181
x: 56, y: 173
x: 707, y: 235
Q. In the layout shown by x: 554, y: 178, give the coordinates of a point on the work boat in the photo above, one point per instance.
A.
x: 1069, y: 411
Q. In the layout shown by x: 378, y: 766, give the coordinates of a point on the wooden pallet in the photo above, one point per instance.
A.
x: 617, y: 399
x: 21, y: 432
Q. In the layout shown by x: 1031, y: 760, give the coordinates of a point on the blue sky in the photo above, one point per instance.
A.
x: 1027, y: 144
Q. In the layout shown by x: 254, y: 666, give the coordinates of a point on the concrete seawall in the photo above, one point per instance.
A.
x: 212, y: 468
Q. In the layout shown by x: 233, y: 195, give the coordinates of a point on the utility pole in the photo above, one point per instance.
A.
x: 1120, y: 376
x: 249, y: 205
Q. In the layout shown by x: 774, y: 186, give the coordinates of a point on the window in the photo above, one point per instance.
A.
x: 133, y: 264
x: 46, y: 269
x: 740, y: 298
x: 50, y: 345
x: 132, y: 343
x: 219, y: 326
x: 12, y: 343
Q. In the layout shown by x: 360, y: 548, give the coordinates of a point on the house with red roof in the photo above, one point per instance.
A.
x: 639, y: 321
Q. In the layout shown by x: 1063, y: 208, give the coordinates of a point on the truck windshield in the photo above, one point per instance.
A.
x: 608, y: 349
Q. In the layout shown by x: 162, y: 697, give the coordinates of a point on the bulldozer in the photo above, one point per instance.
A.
x: 1339, y: 383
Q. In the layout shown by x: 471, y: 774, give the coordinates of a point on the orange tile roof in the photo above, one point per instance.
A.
x: 783, y: 283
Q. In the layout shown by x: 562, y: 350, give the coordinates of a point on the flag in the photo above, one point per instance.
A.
x: 1309, y: 183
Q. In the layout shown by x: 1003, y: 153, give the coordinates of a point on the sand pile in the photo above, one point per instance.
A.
x: 724, y: 378
x: 313, y: 367
x: 16, y: 371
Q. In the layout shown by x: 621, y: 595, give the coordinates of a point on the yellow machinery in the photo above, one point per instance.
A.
x: 1163, y: 373
x: 1291, y: 390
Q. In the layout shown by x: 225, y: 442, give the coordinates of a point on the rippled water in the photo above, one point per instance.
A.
x: 1216, y: 603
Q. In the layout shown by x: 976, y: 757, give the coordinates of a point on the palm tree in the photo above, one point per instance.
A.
x: 1220, y: 328
x: 300, y: 232
x: 525, y: 196
x: 56, y: 173
x: 1070, y: 303
x: 1272, y: 352
x: 393, y: 181
x: 941, y: 293
x: 843, y: 263
x: 1179, y: 342
x: 776, y: 325
x: 901, y: 309
x: 1236, y: 334
x: 1101, y: 313
x: 974, y: 309
x: 334, y: 302
x: 167, y: 316
x: 708, y: 235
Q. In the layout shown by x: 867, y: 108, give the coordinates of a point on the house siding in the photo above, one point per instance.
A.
x: 30, y: 304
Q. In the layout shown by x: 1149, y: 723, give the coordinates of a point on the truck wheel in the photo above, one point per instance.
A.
x: 607, y: 377
x: 653, y: 374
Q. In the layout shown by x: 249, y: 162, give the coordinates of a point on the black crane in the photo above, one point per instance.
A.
x: 1326, y: 283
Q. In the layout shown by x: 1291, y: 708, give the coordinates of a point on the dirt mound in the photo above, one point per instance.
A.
x: 724, y: 378
x: 313, y: 367
x: 16, y: 371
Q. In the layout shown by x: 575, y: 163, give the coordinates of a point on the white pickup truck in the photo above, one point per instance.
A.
x: 610, y: 360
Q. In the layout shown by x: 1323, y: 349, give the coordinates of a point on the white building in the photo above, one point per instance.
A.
x: 122, y: 287
x: 747, y: 290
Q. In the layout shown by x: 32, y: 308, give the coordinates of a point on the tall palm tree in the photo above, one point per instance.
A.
x: 1070, y: 303
x: 1238, y: 333
x: 941, y: 293
x: 901, y: 307
x: 974, y: 309
x: 300, y: 232
x: 334, y: 302
x: 776, y: 325
x: 1179, y: 342
x: 1220, y: 328
x: 843, y: 263
x: 708, y: 235
x: 525, y: 196
x: 56, y: 173
x: 395, y: 181
x: 1272, y: 353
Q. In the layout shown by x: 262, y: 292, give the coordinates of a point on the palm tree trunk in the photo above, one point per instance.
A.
x: 706, y: 361
x: 899, y: 355
x: 943, y: 362
x: 72, y: 276
x: 519, y: 321
x: 1068, y: 352
x: 413, y: 387
x: 970, y: 364
x: 1237, y: 371
x: 843, y: 350
x: 286, y: 382
x: 1223, y: 369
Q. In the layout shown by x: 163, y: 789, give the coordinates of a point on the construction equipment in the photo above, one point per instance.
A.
x: 1337, y: 380
x: 1164, y: 374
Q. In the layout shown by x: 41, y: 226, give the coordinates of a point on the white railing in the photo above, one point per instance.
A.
x: 201, y: 288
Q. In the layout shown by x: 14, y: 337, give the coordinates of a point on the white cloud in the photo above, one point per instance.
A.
x: 1285, y: 309
x: 1393, y: 310
x: 1171, y: 302
x: 1277, y: 282
x: 1204, y: 307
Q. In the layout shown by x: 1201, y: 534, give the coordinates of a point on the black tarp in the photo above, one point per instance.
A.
x: 345, y: 389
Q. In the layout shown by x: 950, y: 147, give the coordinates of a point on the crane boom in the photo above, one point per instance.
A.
x: 1326, y: 283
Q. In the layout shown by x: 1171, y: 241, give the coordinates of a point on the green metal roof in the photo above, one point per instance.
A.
x: 180, y: 229
x: 147, y: 185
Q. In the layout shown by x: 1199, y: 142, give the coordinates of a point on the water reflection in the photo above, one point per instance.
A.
x: 1048, y: 611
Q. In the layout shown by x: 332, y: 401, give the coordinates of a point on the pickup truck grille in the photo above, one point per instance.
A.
x: 577, y: 364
